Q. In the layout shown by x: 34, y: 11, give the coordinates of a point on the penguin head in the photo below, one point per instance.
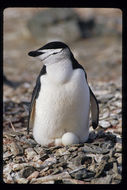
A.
x: 52, y: 52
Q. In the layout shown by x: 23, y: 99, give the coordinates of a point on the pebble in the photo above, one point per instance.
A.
x: 119, y: 160
x: 28, y: 171
x: 82, y: 173
x: 17, y: 167
x: 102, y: 180
x: 51, y: 178
x: 118, y: 147
x: 105, y: 98
x: 104, y: 124
x: 30, y: 153
x: 16, y: 149
x: 33, y: 175
x: 49, y: 161
x: 72, y: 181
x: 114, y: 122
x: 8, y: 179
x: 94, y: 149
x: 22, y: 180
x: 105, y: 114
x: 7, y: 155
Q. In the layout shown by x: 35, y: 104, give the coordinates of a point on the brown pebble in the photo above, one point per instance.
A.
x: 33, y: 175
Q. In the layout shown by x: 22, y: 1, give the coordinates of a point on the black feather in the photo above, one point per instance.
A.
x: 35, y: 93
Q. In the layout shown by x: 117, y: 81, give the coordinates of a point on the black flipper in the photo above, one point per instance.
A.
x: 33, y: 99
x: 93, y: 100
x: 94, y: 109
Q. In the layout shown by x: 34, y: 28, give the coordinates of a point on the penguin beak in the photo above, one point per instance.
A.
x: 34, y: 53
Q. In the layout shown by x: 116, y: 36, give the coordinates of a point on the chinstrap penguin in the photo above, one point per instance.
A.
x: 61, y: 100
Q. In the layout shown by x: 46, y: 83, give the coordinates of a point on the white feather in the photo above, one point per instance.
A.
x: 63, y: 104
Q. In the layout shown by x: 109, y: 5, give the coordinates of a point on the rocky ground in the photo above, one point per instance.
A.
x: 98, y: 161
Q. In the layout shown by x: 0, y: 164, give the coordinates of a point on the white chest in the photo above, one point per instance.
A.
x: 62, y: 105
x: 61, y: 98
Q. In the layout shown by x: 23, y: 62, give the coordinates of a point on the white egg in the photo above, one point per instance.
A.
x: 69, y: 138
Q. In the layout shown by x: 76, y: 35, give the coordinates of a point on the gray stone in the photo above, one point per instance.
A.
x: 17, y: 167
x: 101, y: 167
x: 49, y: 178
x: 102, y: 180
x: 30, y: 153
x: 120, y: 169
x: 82, y: 173
x: 119, y: 160
x: 33, y: 175
x: 118, y: 147
x: 104, y: 124
x: 16, y: 149
x: 44, y: 157
x: 114, y: 122
x: 105, y: 98
x: 92, y: 136
x: 94, y: 149
x: 22, y: 181
x: 82, y: 159
x: 28, y: 171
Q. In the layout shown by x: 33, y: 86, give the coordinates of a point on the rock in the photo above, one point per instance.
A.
x: 72, y: 149
x: 81, y: 173
x: 30, y: 153
x: 16, y: 149
x: 102, y: 180
x: 19, y: 159
x: 114, y: 122
x: 72, y: 181
x: 28, y: 142
x: 120, y: 169
x: 44, y: 157
x: 105, y: 114
x: 62, y: 151
x: 27, y: 171
x: 101, y: 167
x: 15, y: 176
x: 119, y: 160
x: 118, y: 147
x: 33, y: 175
x: 17, y: 167
x: 8, y: 179
x: 105, y: 98
x: 48, y: 182
x: 22, y: 181
x: 97, y: 158
x: 82, y: 159
x: 118, y: 104
x: 92, y: 136
x: 48, y: 162
x: 94, y: 149
x: 49, y: 178
x: 7, y: 155
x: 104, y: 124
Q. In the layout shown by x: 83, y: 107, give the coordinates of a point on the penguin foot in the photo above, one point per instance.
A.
x: 58, y: 141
